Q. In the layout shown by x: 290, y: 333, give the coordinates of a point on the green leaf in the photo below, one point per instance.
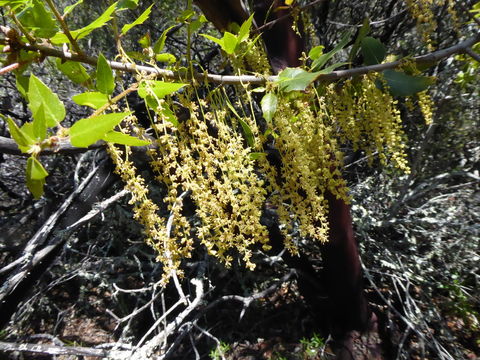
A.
x: 87, y: 131
x: 291, y: 79
x: 36, y: 187
x: 248, y: 132
x: 140, y: 20
x: 269, y: 106
x: 124, y: 139
x: 257, y: 155
x: 145, y: 41
x: 160, y: 43
x: 165, y: 57
x: 159, y: 88
x: 244, y: 31
x: 230, y: 42
x: 61, y: 38
x: 105, y: 80
x: 214, y: 39
x: 322, y: 60
x: 73, y: 70
x: 39, y: 124
x: 373, y: 51
x: 93, y: 99
x: 364, y: 30
x: 35, y: 169
x: 401, y: 84
x: 21, y: 137
x: 315, y: 52
x: 21, y: 82
x: 38, y: 18
x: 69, y: 9
x: 39, y: 94
x: 127, y: 4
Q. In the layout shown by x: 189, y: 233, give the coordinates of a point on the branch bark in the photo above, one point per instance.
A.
x: 429, y: 58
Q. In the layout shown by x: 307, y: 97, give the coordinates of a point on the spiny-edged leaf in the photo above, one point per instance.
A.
x: 21, y: 82
x: 69, y: 9
x: 315, y: 52
x: 248, y: 132
x: 35, y: 169
x: 401, y: 84
x: 38, y: 18
x: 244, y: 31
x: 230, y: 42
x: 364, y: 30
x: 61, y: 38
x: 93, y: 99
x: 140, y: 20
x: 127, y: 4
x: 73, y: 70
x: 87, y: 131
x: 269, y: 106
x: 322, y: 60
x: 20, y: 137
x: 292, y: 79
x: 105, y: 80
x: 124, y: 139
x: 39, y: 123
x: 160, y: 43
x: 159, y: 88
x: 36, y: 187
x: 39, y: 94
x: 165, y: 57
x: 373, y: 51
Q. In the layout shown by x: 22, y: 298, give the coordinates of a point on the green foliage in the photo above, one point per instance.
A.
x: 37, y: 18
x: 75, y: 71
x: 44, y: 103
x: 105, y: 79
x: 312, y: 346
x: 320, y: 61
x: 269, y: 106
x: 373, y: 51
x: 401, y: 84
x: 85, y: 132
x: 92, y: 99
x: 140, y: 20
x: 220, y: 351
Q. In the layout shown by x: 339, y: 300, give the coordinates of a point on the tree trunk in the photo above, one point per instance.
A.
x: 347, y: 308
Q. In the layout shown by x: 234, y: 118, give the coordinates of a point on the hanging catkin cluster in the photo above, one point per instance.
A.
x: 209, y: 159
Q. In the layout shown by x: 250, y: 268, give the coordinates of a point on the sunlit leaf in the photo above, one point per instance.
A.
x: 39, y: 94
x: 61, y: 38
x: 38, y: 18
x: 124, y: 139
x: 244, y: 31
x: 93, y: 99
x: 74, y: 71
x: 230, y: 42
x: 160, y: 43
x: 140, y: 20
x: 165, y: 57
x: 291, y: 79
x: 39, y: 123
x: 269, y: 106
x: 105, y: 79
x: 35, y: 169
x: 69, y: 9
x: 88, y: 131
x: 159, y: 88
x: 20, y: 137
